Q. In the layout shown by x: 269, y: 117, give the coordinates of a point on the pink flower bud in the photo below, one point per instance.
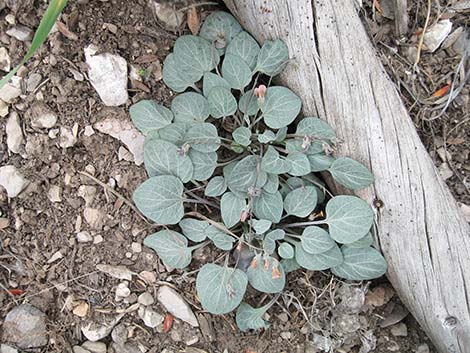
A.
x: 244, y: 216
x: 260, y: 92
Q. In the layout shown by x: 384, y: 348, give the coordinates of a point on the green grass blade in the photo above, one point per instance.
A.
x: 50, y: 16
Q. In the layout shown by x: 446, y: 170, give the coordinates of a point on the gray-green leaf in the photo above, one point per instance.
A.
x: 216, y: 186
x: 350, y: 173
x: 236, y: 72
x: 194, y: 229
x: 249, y: 318
x: 246, y: 47
x: 220, y: 289
x: 266, y: 274
x: 364, y: 242
x: 286, y: 251
x: 204, y: 164
x: 316, y: 240
x: 243, y: 174
x: 272, y: 163
x: 316, y: 128
x: 360, y: 264
x: 220, y: 239
x: 171, y: 247
x: 173, y: 77
x: 261, y: 226
x: 280, y: 108
x: 299, y: 164
x: 195, y: 56
x: 301, y: 202
x: 160, y: 199
x: 220, y: 28
x: 272, y: 57
x: 163, y: 158
x: 242, y: 136
x: 266, y: 137
x: 318, y: 262
x: 203, y: 137
x: 320, y: 162
x: 272, y: 184
x: 268, y: 206
x: 222, y: 103
x: 148, y: 115
x: 349, y: 218
x: 212, y: 80
x: 269, y: 241
x: 190, y: 107
x: 248, y: 103
x: 231, y: 208
x: 173, y: 133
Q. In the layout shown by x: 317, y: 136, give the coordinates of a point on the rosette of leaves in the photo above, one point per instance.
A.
x: 228, y: 142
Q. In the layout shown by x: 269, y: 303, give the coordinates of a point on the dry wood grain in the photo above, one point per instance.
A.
x: 336, y: 72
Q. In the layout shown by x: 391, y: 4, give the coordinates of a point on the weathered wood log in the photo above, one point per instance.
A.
x: 339, y: 77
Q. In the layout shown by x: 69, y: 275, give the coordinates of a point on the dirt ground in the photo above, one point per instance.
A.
x: 43, y: 263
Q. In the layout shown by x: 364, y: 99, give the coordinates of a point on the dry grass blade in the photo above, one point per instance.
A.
x: 50, y: 16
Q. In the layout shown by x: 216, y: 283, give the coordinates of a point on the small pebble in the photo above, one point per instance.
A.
x: 286, y: 335
x: 399, y: 330
x: 84, y: 237
x: 150, y: 317
x: 94, y: 347
x: 424, y: 348
x: 146, y: 299
x: 192, y: 340
x: 283, y: 317
x: 122, y: 290
x: 136, y: 247
x: 97, y: 239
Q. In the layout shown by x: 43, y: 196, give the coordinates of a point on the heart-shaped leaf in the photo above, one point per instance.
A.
x: 248, y: 103
x: 204, y: 164
x: 236, y: 72
x: 173, y: 133
x: 280, y: 108
x: 220, y: 289
x: 281, y: 134
x: 148, y: 115
x: 242, y: 136
x: 171, y: 247
x: 220, y: 28
x: 261, y: 226
x: 163, y: 158
x: 266, y: 274
x: 272, y: 184
x: 320, y: 162
x: 316, y: 240
x: 216, y: 186
x: 364, y: 242
x: 272, y: 57
x: 220, y: 239
x: 349, y: 218
x: 190, y: 107
x: 268, y: 206
x: 286, y: 251
x: 222, y: 103
x: 249, y: 318
x: 212, y: 80
x: 195, y: 56
x: 318, y: 262
x: 316, y: 129
x: 350, y: 173
x: 246, y: 47
x: 173, y: 77
x: 290, y: 265
x: 231, y: 208
x: 243, y: 174
x: 272, y: 163
x: 203, y: 137
x: 301, y: 202
x: 160, y: 198
x: 299, y: 164
x: 297, y: 145
x: 360, y: 264
x: 194, y: 229
x: 266, y: 136
x: 269, y: 241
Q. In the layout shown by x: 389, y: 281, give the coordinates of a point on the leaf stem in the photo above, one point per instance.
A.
x: 303, y: 224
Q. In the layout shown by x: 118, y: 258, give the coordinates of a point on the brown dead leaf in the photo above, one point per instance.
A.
x: 441, y: 91
x: 65, y: 31
x: 193, y: 20
x: 146, y: 59
x: 377, y: 6
x: 81, y: 310
x: 379, y: 296
x: 455, y: 140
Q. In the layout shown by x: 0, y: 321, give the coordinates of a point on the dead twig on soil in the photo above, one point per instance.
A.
x: 421, y: 39
x: 115, y: 193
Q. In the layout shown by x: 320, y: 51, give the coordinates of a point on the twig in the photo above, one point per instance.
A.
x: 115, y: 193
x: 207, y: 3
x: 421, y: 39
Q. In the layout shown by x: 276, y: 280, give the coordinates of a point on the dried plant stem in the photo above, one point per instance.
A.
x: 421, y: 39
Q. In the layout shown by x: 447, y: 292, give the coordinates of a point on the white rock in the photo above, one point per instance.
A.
x: 54, y: 193
x: 150, y: 317
x: 14, y: 133
x: 12, y: 180
x: 33, y: 81
x: 87, y: 193
x: 5, y: 61
x: 122, y: 290
x: 94, y: 347
x: 145, y: 299
x: 96, y: 331
x: 53, y: 133
x: 424, y: 348
x: 78, y: 349
x: 56, y: 256
x: 10, y: 18
x: 3, y: 109
x: 168, y: 15
x: 124, y: 154
x: 25, y: 326
x: 11, y: 90
x: 445, y: 171
x: 84, y: 237
x: 176, y: 305
x: 88, y: 131
x: 108, y: 75
x: 66, y: 139
x: 7, y: 349
x: 436, y: 34
x: 192, y: 340
x: 42, y: 117
x: 120, y: 272
x: 399, y: 330
x: 97, y: 239
x: 94, y: 217
x: 22, y: 33
x: 136, y: 247
x: 124, y: 131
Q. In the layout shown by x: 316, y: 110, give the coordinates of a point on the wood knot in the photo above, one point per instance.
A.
x: 450, y: 322
x: 378, y: 203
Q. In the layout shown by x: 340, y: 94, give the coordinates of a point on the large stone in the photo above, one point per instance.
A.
x: 11, y: 90
x: 25, y: 326
x: 176, y: 305
x: 41, y: 116
x: 12, y: 180
x: 108, y: 75
x: 14, y: 133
